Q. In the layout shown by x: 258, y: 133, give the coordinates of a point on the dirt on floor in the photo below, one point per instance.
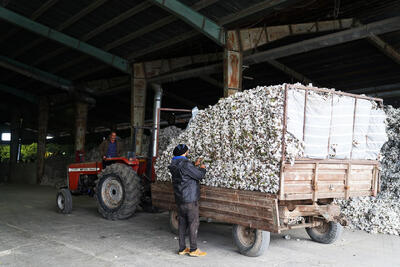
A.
x: 32, y: 233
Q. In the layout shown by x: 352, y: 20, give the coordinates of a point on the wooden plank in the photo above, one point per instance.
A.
x: 298, y: 188
x: 299, y: 176
x: 241, y: 221
x: 362, y: 167
x: 254, y: 209
x: 325, y: 166
x: 232, y: 210
x: 315, y: 183
x: 335, y: 161
x: 331, y: 187
x: 331, y: 177
x: 375, y: 182
x: 299, y: 196
x: 298, y: 166
x: 362, y: 177
x: 347, y: 179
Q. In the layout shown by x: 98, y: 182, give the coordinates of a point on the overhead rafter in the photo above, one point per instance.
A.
x: 43, y: 8
x: 182, y: 100
x: 387, y: 49
x: 19, y: 93
x: 252, y: 38
x: 105, y: 26
x: 383, y: 46
x: 176, y: 76
x: 264, y: 7
x: 253, y: 9
x: 40, y: 29
x: 198, y: 21
x: 36, y: 73
x: 61, y: 27
x: 164, y: 44
x: 212, y: 81
x: 151, y: 27
x: 298, y: 76
x: 376, y: 89
x: 380, y: 27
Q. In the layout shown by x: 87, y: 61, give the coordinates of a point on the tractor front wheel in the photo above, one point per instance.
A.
x: 64, y: 201
x: 118, y: 192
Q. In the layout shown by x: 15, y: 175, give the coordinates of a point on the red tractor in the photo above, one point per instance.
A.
x: 119, y: 185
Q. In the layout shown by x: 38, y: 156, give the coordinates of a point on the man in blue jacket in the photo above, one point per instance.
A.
x: 186, y: 177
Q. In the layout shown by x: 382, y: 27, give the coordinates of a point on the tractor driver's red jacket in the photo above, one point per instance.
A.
x: 185, y: 179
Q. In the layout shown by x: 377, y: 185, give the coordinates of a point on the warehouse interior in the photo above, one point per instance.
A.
x: 72, y: 71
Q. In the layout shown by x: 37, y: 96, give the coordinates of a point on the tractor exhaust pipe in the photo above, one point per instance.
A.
x: 156, y: 120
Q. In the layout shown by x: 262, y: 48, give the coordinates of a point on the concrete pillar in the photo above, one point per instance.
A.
x: 81, y: 111
x: 233, y: 63
x: 138, y: 103
x: 42, y: 133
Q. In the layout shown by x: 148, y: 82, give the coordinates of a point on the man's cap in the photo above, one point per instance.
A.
x: 180, y: 149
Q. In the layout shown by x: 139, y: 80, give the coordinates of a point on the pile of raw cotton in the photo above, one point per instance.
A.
x: 239, y: 140
x: 381, y: 214
x: 165, y: 136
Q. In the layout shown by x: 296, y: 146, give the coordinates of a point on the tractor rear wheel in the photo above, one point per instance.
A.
x: 118, y: 192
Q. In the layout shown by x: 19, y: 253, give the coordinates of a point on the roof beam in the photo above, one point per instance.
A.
x: 43, y: 8
x: 151, y: 27
x: 298, y: 76
x: 376, y: 89
x: 380, y: 27
x: 386, y: 94
x: 252, y: 38
x: 154, y: 26
x: 176, y: 39
x: 61, y: 27
x: 182, y: 100
x: 384, y: 47
x: 198, y: 21
x: 212, y: 81
x: 40, y: 29
x: 263, y: 6
x: 177, y: 76
x: 105, y: 26
x: 19, y: 93
x: 35, y: 73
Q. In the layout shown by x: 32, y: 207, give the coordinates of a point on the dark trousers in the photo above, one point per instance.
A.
x: 188, y: 219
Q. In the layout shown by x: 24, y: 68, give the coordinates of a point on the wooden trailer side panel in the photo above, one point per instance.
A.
x: 252, y: 209
x: 321, y: 179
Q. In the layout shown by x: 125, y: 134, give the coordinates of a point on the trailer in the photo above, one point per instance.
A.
x: 305, y: 199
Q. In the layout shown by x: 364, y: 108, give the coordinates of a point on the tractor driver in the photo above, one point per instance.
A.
x: 110, y: 147
x: 185, y: 179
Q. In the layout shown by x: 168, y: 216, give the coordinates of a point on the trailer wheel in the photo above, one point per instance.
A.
x: 118, y: 192
x: 64, y: 201
x: 250, y: 242
x: 173, y: 222
x: 327, y: 233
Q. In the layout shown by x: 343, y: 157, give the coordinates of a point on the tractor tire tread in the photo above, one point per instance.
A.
x: 132, y: 191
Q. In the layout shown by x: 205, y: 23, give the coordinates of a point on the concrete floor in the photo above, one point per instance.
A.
x: 32, y: 233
